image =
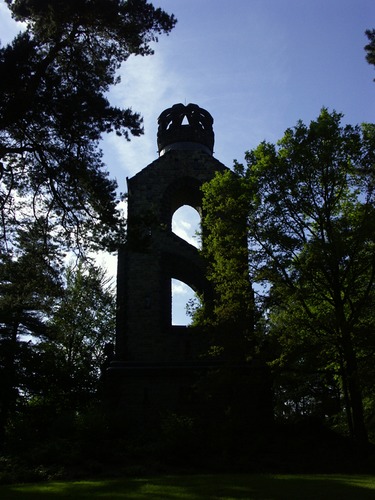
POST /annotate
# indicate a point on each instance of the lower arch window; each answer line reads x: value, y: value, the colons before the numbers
x: 181, y: 295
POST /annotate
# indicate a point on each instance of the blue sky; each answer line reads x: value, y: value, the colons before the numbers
x: 257, y: 66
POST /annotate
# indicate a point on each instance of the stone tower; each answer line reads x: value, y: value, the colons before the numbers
x: 157, y: 364
x: 155, y: 361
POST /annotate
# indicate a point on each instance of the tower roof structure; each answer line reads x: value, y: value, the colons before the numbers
x: 185, y: 128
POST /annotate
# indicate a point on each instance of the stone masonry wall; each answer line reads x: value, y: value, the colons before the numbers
x: 154, y: 255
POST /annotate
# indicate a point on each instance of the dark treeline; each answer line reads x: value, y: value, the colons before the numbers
x: 309, y: 207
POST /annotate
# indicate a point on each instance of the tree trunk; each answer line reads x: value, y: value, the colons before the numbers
x: 8, y: 383
x: 348, y: 405
x: 355, y: 393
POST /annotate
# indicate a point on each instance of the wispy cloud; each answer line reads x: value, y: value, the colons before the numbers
x: 147, y: 87
x: 179, y: 288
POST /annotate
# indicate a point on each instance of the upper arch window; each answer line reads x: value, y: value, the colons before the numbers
x: 186, y: 224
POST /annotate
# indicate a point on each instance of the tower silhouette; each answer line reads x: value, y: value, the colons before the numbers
x: 154, y: 359
x: 157, y: 363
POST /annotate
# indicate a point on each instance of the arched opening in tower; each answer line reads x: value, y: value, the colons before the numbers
x: 184, y: 300
x: 186, y: 225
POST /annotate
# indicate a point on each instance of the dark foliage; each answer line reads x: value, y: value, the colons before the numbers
x: 370, y: 47
x: 54, y: 109
x: 309, y: 201
x: 29, y: 286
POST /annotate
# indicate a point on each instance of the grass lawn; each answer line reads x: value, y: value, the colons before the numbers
x: 219, y: 487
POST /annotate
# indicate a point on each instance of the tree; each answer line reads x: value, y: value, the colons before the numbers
x: 80, y: 328
x: 53, y: 336
x: 231, y: 316
x: 311, y: 228
x: 29, y: 287
x: 370, y: 47
x: 309, y: 204
x: 54, y: 109
x: 235, y: 393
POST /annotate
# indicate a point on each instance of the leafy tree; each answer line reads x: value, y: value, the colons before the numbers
x: 311, y: 228
x: 231, y: 316
x: 309, y: 204
x: 29, y: 286
x: 80, y: 328
x: 52, y: 353
x: 306, y: 375
x: 237, y: 378
x: 54, y: 110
